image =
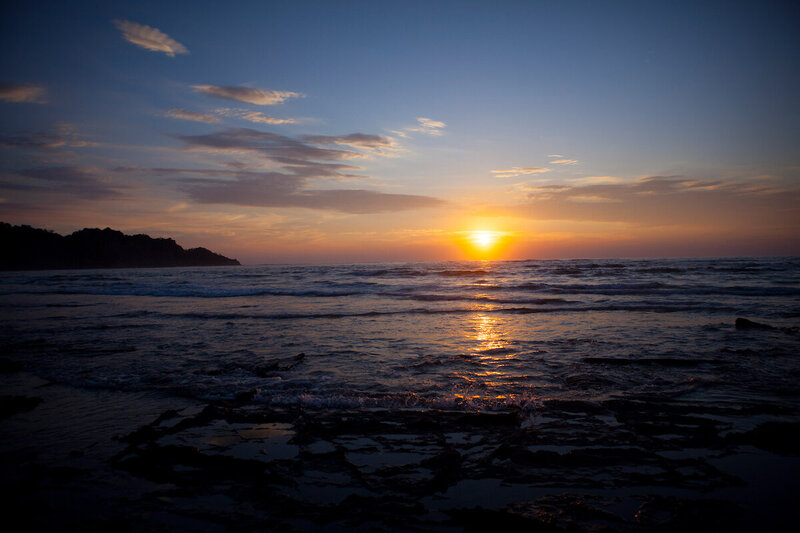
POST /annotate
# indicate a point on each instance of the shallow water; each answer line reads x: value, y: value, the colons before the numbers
x: 585, y: 356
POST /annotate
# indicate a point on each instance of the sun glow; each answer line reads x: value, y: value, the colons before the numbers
x: 484, y: 239
x: 483, y: 244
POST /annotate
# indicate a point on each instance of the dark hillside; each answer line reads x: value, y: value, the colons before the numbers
x: 27, y: 248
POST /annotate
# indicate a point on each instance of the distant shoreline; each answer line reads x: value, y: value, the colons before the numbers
x: 28, y: 248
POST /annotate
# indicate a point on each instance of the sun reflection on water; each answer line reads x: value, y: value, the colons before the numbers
x: 487, y: 333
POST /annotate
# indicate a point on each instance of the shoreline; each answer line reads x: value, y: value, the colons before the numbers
x: 84, y: 459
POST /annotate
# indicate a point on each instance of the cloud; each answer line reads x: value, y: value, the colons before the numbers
x: 27, y: 94
x: 281, y: 190
x: 149, y: 38
x: 302, y: 160
x: 254, y: 116
x: 307, y: 172
x: 596, y: 180
x: 430, y: 123
x: 424, y: 125
x: 428, y: 126
x: 546, y: 187
x: 589, y: 198
x: 665, y: 200
x: 246, y: 94
x: 193, y: 116
x: 559, y: 159
x: 83, y: 182
x: 35, y: 141
x: 378, y: 144
x: 518, y: 171
x: 66, y: 137
x: 299, y: 156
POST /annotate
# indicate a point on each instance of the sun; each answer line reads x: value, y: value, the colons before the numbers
x: 484, y: 239
x: 483, y: 244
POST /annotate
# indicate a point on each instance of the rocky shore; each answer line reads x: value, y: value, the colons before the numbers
x: 97, y: 459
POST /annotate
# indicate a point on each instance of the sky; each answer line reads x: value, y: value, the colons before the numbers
x: 330, y: 132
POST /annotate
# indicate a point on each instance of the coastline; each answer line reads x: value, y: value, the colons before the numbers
x: 91, y: 459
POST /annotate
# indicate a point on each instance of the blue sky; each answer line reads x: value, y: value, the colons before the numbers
x: 588, y: 101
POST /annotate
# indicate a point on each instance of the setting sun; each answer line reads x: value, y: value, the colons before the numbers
x: 483, y: 244
x: 484, y: 239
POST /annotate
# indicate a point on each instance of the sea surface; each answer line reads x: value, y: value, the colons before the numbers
x: 605, y: 376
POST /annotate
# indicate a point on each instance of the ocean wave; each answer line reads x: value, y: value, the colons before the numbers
x: 484, y: 299
x: 643, y: 307
x: 188, y: 292
x: 518, y: 283
x: 522, y: 403
x: 655, y: 288
x: 419, y: 293
x: 405, y: 272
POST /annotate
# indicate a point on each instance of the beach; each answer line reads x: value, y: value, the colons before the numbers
x: 591, y: 395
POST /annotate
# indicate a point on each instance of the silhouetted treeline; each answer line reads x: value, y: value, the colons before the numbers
x: 27, y: 248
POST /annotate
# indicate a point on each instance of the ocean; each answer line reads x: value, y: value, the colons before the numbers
x: 419, y: 396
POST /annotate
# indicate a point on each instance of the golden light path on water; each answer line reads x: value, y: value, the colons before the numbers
x: 487, y: 333
x: 490, y: 350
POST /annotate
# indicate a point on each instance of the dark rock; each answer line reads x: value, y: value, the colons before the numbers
x: 27, y: 248
x: 776, y: 437
x: 8, y: 366
x: 480, y: 519
x: 244, y: 397
x: 669, y: 513
x: 743, y: 323
x: 389, y: 509
x: 267, y: 369
x: 159, y: 463
x: 569, y: 511
x: 446, y: 467
x: 11, y: 405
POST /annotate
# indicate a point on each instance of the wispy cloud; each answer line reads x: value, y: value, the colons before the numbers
x: 82, y: 182
x: 282, y: 191
x: 518, y: 171
x: 246, y: 94
x: 596, y: 180
x: 65, y: 137
x: 35, y: 141
x: 149, y: 38
x: 546, y: 187
x: 301, y: 161
x: 559, y: 159
x: 664, y: 200
x: 400, y: 133
x: 378, y: 144
x: 27, y: 94
x: 428, y: 126
x: 193, y: 116
x: 254, y: 116
x: 592, y: 199
x: 294, y: 154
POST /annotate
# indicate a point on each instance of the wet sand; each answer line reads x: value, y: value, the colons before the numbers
x: 81, y: 459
